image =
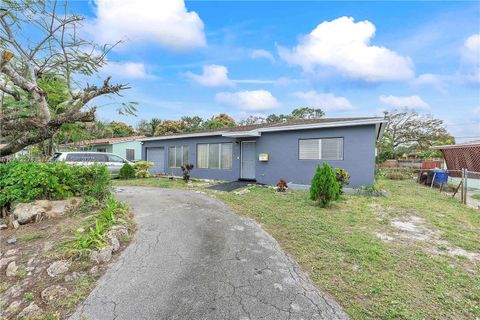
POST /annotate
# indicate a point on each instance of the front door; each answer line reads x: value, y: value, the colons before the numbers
x: 248, y: 160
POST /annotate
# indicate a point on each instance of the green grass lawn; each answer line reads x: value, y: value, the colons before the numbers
x: 369, y: 277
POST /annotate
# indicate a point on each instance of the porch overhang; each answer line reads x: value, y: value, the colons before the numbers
x: 243, y: 134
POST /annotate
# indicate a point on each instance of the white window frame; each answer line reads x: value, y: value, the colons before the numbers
x: 180, y: 148
x: 320, y: 148
x: 219, y: 155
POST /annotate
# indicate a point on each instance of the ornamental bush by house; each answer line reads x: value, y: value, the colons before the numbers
x: 141, y: 169
x: 282, y: 185
x: 324, y: 187
x: 186, y: 168
x: 343, y: 178
x: 127, y: 172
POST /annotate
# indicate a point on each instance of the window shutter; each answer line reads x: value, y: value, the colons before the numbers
x: 309, y: 149
x: 332, y: 149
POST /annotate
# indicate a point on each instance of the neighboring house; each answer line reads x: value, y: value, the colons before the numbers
x: 267, y: 152
x: 127, y: 147
x: 462, y: 156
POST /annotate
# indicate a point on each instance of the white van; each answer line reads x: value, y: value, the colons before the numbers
x: 84, y: 158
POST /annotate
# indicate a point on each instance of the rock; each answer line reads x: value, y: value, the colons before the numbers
x: 28, y: 212
x: 94, y: 270
x: 114, y: 243
x: 53, y: 293
x: 3, y: 226
x: 55, y: 209
x: 31, y: 311
x: 12, y: 269
x: 15, y: 224
x: 74, y: 276
x: 6, y: 260
x: 120, y: 231
x: 94, y: 256
x: 105, y: 254
x: 12, y: 308
x: 15, y: 290
x: 80, y: 230
x: 243, y: 191
x: 11, y: 252
x: 12, y: 240
x: 57, y: 268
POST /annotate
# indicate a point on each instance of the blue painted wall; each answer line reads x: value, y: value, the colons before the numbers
x: 282, y: 148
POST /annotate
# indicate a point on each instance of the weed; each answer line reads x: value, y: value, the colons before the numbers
x: 28, y: 296
x: 31, y: 236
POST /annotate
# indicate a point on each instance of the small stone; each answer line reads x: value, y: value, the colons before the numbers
x: 12, y: 308
x: 94, y: 270
x: 114, y: 243
x: 74, y: 276
x: 6, y: 260
x: 11, y: 252
x: 80, y: 230
x: 31, y: 311
x: 12, y: 269
x: 57, y: 268
x: 105, y: 254
x: 45, y: 227
x: 94, y: 256
x: 3, y: 226
x: 12, y: 241
x: 30, y: 261
x: 15, y: 224
x: 15, y: 290
x: 53, y: 293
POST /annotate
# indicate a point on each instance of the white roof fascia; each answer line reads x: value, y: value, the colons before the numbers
x: 188, y: 135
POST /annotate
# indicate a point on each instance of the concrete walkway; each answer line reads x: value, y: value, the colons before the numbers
x: 192, y: 258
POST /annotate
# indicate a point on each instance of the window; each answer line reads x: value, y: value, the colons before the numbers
x: 86, y: 157
x: 177, y: 156
x: 102, y: 149
x: 320, y: 149
x: 214, y: 156
x: 114, y: 158
x: 130, y: 153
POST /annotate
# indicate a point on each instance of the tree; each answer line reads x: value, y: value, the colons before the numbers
x: 169, y: 127
x: 298, y: 113
x: 307, y: 113
x: 221, y: 121
x: 409, y: 131
x: 120, y: 129
x: 148, y: 127
x: 324, y: 187
x: 31, y: 112
x: 194, y: 123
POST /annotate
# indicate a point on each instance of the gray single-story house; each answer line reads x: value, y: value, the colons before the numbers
x: 267, y: 152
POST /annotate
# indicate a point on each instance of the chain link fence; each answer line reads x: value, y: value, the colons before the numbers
x: 462, y: 185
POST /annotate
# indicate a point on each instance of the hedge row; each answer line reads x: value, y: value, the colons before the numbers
x: 28, y: 181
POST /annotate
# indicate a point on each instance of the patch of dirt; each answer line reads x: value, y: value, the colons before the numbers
x: 35, y: 249
x: 409, y: 229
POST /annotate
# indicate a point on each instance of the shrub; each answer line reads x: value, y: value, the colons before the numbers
x: 127, y: 172
x: 141, y: 169
x: 28, y: 181
x: 343, y: 178
x: 186, y: 168
x: 324, y: 186
x: 282, y: 185
x: 396, y: 176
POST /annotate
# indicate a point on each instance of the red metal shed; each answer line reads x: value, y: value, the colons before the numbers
x: 463, y: 155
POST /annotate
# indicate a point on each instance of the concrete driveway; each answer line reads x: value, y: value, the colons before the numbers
x: 192, y: 258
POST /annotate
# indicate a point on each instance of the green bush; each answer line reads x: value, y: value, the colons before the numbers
x: 28, y: 181
x: 343, y: 178
x: 324, y: 186
x: 396, y: 176
x: 141, y: 169
x: 127, y: 172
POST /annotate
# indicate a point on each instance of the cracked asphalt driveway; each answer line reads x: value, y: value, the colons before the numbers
x: 192, y: 258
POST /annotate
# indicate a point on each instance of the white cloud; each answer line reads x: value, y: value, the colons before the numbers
x: 130, y: 70
x: 471, y: 59
x: 476, y: 111
x: 409, y: 102
x: 248, y: 100
x: 262, y: 54
x: 325, y: 101
x: 344, y: 45
x: 432, y: 80
x: 166, y: 23
x: 213, y: 76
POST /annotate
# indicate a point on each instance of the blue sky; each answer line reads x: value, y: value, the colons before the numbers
x: 248, y: 57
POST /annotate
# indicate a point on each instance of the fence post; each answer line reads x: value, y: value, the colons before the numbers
x: 462, y: 184
x: 465, y: 185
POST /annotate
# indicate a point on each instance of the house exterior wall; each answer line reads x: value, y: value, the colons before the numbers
x: 283, y: 162
x: 121, y: 149
x: 108, y: 148
x: 217, y: 174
